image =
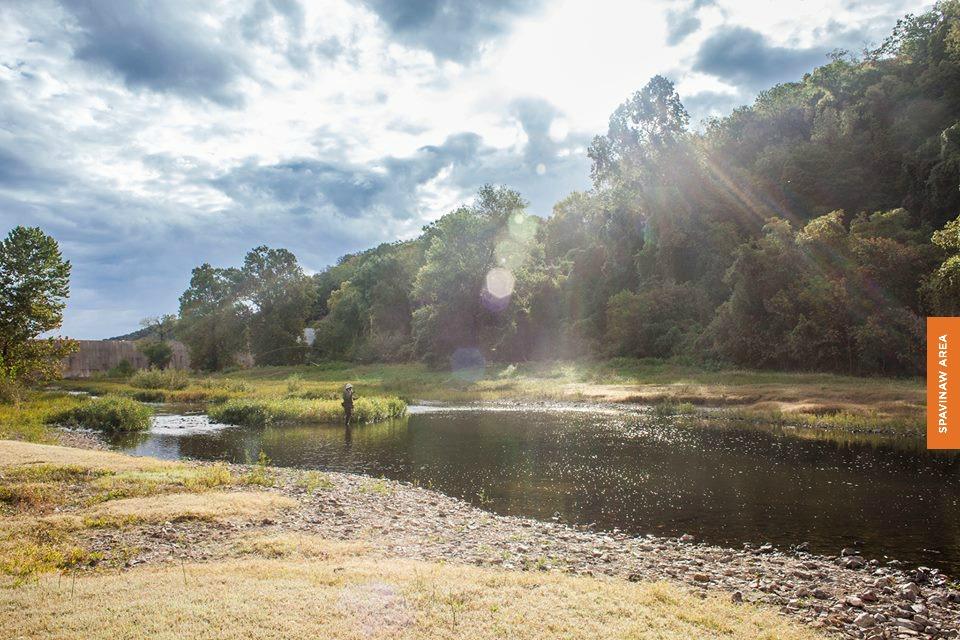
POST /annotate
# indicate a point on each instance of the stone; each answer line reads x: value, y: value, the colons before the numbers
x: 865, y: 621
x: 903, y: 623
x: 909, y: 591
x: 854, y: 601
x: 869, y: 596
x: 736, y: 597
x: 686, y: 538
x: 820, y: 594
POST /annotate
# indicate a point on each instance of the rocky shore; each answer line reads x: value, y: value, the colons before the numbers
x: 843, y: 595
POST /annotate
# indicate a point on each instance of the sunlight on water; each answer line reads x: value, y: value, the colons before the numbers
x: 640, y: 471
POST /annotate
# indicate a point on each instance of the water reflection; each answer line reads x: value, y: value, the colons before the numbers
x: 642, y: 473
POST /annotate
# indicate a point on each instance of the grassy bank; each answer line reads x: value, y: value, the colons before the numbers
x: 796, y: 399
x: 62, y: 578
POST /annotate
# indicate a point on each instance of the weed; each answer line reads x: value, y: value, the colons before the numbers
x: 260, y: 473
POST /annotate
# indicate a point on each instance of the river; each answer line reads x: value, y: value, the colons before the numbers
x: 636, y: 471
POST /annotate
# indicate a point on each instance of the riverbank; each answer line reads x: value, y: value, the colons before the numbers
x: 398, y: 535
x: 865, y: 405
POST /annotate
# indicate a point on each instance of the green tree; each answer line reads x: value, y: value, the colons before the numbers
x: 212, y: 319
x: 157, y: 352
x: 279, y: 298
x: 942, y: 289
x: 34, y: 286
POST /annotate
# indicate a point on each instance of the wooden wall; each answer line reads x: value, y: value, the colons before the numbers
x: 100, y: 355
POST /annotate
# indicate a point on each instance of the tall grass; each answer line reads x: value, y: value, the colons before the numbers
x: 107, y: 413
x: 27, y: 420
x: 172, y: 379
x: 259, y: 411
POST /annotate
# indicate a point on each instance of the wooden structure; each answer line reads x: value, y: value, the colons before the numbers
x: 101, y: 355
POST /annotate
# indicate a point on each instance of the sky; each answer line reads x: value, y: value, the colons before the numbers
x: 149, y: 137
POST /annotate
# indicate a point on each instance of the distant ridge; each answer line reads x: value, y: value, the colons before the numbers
x: 139, y: 334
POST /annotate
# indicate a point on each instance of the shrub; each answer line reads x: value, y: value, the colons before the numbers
x: 172, y: 379
x: 123, y: 370
x: 294, y: 383
x: 107, y: 413
x: 150, y: 395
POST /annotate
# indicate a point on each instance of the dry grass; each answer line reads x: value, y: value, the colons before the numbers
x: 296, y: 585
x: 14, y: 453
x: 334, y: 593
x: 174, y: 507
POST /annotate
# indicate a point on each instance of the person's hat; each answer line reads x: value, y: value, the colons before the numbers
x: 348, y: 386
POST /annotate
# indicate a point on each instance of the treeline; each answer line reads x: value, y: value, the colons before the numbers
x: 813, y: 230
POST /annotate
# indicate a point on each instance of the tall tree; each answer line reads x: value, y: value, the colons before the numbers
x: 34, y: 286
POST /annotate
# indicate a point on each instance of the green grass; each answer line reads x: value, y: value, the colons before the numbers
x: 260, y: 412
x: 107, y: 413
x: 28, y: 419
x: 172, y: 379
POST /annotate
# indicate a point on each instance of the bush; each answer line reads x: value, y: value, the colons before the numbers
x: 258, y: 412
x: 172, y: 379
x: 107, y: 413
x: 123, y: 370
x: 150, y: 395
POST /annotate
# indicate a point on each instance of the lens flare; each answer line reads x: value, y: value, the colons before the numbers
x: 500, y: 282
x: 522, y: 227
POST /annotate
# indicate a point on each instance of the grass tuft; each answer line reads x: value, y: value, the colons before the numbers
x: 171, y: 379
x: 108, y: 413
x: 261, y: 412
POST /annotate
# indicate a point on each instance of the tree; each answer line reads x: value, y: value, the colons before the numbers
x: 467, y: 285
x: 279, y: 298
x: 157, y: 352
x: 161, y: 327
x: 212, y: 319
x: 942, y: 289
x: 34, y: 286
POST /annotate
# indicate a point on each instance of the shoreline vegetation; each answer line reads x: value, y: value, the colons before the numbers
x: 360, y: 556
x: 893, y: 406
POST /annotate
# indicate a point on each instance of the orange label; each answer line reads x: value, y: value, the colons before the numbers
x: 943, y: 383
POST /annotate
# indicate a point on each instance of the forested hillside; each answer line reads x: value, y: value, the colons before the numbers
x: 812, y: 230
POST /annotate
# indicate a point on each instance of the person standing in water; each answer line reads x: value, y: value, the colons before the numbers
x: 347, y: 403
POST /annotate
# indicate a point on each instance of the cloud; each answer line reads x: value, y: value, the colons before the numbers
x: 450, y: 29
x: 162, y: 46
x: 306, y: 186
x: 746, y: 58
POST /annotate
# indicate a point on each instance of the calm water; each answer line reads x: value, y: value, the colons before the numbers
x: 637, y: 472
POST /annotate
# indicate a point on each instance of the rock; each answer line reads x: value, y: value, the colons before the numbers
x: 909, y: 591
x: 686, y: 538
x: 848, y: 551
x: 766, y: 548
x: 869, y: 596
x: 854, y: 601
x: 701, y: 577
x: 820, y: 594
x: 903, y: 623
x: 854, y: 562
x: 921, y: 621
x: 865, y: 621
x: 736, y: 597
